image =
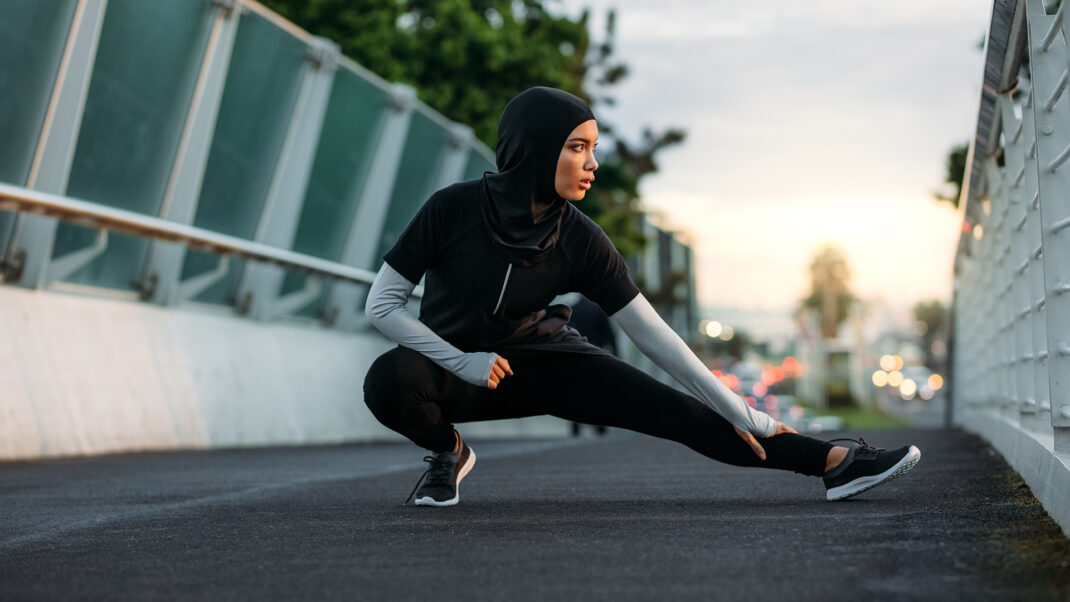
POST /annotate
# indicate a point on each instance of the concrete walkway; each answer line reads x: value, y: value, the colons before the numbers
x: 616, y: 518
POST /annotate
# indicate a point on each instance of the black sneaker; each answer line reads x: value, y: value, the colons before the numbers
x: 866, y: 467
x: 439, y: 485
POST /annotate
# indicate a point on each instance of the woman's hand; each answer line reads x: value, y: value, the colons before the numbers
x: 498, y: 372
x: 753, y: 442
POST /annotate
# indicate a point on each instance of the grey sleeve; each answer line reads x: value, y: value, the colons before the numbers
x: 641, y: 322
x: 386, y: 309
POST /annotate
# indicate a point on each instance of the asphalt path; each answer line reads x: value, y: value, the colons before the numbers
x: 620, y: 517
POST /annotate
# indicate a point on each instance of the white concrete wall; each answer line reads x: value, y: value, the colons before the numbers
x: 90, y: 375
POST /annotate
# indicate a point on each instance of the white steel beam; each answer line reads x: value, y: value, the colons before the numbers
x: 159, y: 280
x: 344, y: 301
x: 33, y: 235
x: 1048, y: 69
x: 259, y: 286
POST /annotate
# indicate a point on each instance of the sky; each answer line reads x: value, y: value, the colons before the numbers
x: 809, y: 123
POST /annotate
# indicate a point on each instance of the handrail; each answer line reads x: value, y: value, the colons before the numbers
x: 84, y: 213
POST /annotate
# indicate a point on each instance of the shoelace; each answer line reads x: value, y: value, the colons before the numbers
x: 860, y: 441
x: 437, y: 472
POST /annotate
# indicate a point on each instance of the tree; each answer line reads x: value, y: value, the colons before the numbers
x: 829, y: 292
x: 465, y: 58
x: 956, y: 171
x: 931, y: 318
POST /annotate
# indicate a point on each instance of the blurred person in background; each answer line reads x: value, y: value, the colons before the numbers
x: 489, y: 345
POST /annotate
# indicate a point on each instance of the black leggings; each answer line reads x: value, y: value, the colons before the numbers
x: 415, y: 397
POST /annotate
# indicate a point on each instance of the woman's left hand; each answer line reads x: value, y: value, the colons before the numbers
x: 753, y: 442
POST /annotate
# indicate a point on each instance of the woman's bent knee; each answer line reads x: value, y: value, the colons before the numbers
x: 397, y: 382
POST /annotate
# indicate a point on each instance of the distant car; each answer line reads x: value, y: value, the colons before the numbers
x: 919, y: 375
x: 807, y: 421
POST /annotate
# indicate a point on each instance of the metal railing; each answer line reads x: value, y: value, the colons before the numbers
x: 368, y: 148
x: 105, y: 219
x: 1012, y: 310
x: 1011, y: 351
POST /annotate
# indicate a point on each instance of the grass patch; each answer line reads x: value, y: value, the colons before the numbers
x: 1035, y: 546
x: 863, y: 418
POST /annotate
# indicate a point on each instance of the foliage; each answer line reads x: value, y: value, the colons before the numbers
x: 466, y: 58
x: 956, y: 172
x: 829, y: 292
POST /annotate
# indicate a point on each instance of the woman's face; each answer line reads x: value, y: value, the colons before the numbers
x: 576, y: 164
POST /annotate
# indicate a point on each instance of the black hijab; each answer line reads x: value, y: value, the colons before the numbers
x: 521, y: 208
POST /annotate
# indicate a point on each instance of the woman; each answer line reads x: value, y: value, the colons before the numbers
x: 488, y: 345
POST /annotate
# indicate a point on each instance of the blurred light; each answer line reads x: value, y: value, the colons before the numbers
x: 936, y: 382
x: 898, y: 365
x: 802, y: 369
x: 887, y: 363
x: 731, y: 381
x: 796, y: 412
x: 966, y: 227
x: 908, y: 388
x: 939, y: 347
x: 925, y: 392
x: 778, y: 374
x: 978, y: 232
x: 752, y: 402
x: 895, y: 378
x: 702, y: 326
x: 771, y: 403
x: 767, y: 378
x: 713, y: 329
x: 759, y: 389
x: 905, y: 397
x: 718, y: 374
x: 727, y: 333
x: 880, y: 378
x: 790, y: 365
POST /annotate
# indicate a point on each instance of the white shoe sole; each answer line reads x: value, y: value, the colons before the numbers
x: 465, y: 469
x: 863, y: 483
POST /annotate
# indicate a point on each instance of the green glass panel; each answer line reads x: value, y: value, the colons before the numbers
x: 262, y: 84
x: 33, y: 34
x: 147, y: 63
x: 477, y: 164
x: 419, y: 163
x: 346, y: 146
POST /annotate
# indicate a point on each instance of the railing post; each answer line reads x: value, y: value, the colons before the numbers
x: 1038, y: 317
x: 1048, y: 68
x: 987, y: 282
x: 34, y: 235
x: 1001, y: 286
x: 159, y: 280
x: 1019, y: 135
x: 259, y: 285
x: 362, y: 241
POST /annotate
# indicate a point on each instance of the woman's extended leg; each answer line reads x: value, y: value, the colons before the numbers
x: 598, y: 389
x: 412, y: 395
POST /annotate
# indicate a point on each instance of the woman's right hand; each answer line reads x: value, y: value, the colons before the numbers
x: 498, y: 372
